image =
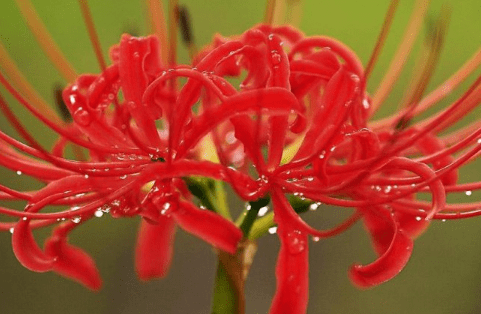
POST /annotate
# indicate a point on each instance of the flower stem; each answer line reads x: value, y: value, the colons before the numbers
x: 232, y: 270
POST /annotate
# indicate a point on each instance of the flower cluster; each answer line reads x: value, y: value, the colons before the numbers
x: 153, y: 139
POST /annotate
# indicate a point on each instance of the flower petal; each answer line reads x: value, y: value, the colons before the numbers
x: 73, y: 262
x: 153, y: 254
x: 208, y: 226
x: 27, y: 251
x: 392, y: 261
x: 292, y: 272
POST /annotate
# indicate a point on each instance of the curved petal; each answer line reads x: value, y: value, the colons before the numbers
x: 208, y: 226
x: 153, y: 254
x: 392, y: 260
x: 73, y: 263
x: 27, y: 251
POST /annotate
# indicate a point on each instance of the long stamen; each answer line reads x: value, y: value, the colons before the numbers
x: 25, y: 88
x: 279, y: 12
x: 157, y: 26
x: 269, y: 13
x: 447, y: 87
x: 172, y: 58
x: 434, y: 43
x: 382, y: 38
x: 294, y: 12
x: 94, y: 39
x: 439, y: 93
x: 186, y: 30
x: 397, y: 63
x: 46, y: 41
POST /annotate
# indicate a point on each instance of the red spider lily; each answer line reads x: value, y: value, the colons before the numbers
x: 342, y: 158
x: 300, y: 118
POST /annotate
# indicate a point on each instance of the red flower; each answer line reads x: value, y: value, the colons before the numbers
x: 300, y: 120
x: 339, y: 157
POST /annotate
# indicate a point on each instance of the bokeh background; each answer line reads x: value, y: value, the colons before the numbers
x: 443, y: 275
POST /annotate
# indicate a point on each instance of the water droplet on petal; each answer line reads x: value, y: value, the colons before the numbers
x: 99, y: 213
x: 275, y: 57
x: 11, y: 230
x: 19, y: 172
x: 165, y: 208
x: 76, y: 220
x: 295, y: 242
x: 82, y: 117
x: 316, y: 239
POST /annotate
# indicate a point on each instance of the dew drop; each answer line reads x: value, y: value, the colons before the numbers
x: 86, y: 176
x: 479, y: 141
x: 123, y: 177
x: 313, y: 206
x: 99, y: 213
x: 295, y: 242
x: 230, y: 137
x: 365, y: 104
x: 263, y: 211
x: 418, y: 218
x: 165, y: 208
x: 275, y: 57
x: 19, y: 172
x: 272, y: 230
x: 76, y: 220
x: 468, y: 193
x: 316, y: 239
x: 105, y: 209
x: 11, y: 230
x: 82, y: 117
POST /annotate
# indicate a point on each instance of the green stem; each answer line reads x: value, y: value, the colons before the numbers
x: 232, y: 271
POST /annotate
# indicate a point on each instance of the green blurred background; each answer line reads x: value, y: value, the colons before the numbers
x: 443, y: 275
